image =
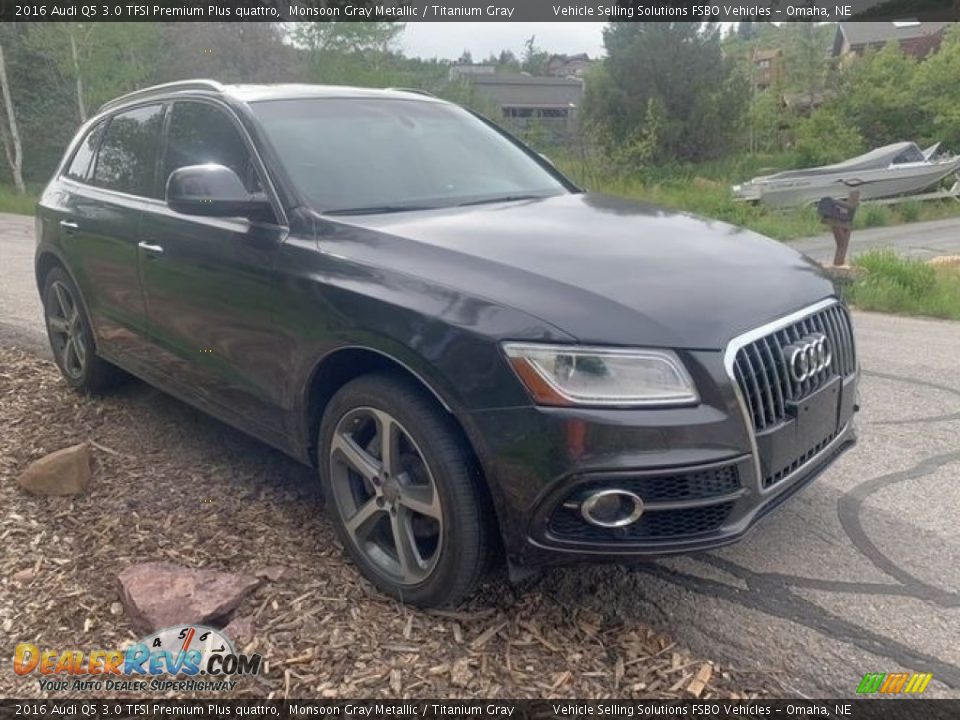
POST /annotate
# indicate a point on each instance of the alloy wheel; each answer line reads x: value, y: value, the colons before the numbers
x: 67, y: 337
x: 386, y: 495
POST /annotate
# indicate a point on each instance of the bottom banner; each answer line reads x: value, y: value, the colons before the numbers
x: 447, y: 709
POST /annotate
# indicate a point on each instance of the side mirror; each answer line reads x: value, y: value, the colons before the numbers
x: 214, y: 191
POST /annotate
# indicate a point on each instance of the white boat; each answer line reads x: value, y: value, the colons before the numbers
x: 890, y: 171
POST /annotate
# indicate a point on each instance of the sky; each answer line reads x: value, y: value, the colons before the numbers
x: 450, y: 39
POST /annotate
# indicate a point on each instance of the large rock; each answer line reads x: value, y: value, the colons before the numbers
x: 64, y: 472
x: 157, y: 595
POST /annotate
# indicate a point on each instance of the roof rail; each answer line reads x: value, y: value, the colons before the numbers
x: 165, y: 87
x: 416, y: 91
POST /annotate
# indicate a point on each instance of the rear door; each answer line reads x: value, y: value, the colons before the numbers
x: 107, y: 184
x: 209, y: 282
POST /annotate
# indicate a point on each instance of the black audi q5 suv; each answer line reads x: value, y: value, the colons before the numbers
x: 479, y: 358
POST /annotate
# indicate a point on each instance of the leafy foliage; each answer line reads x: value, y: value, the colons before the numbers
x: 671, y: 74
x: 826, y: 137
x: 896, y: 284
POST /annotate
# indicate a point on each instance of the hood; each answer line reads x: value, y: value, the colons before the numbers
x: 602, y: 269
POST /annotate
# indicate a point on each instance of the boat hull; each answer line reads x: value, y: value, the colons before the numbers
x: 872, y: 184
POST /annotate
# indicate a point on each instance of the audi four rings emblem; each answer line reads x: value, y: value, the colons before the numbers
x: 811, y: 356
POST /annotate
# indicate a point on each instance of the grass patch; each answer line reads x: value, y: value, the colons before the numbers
x: 705, y: 190
x: 13, y: 202
x: 911, y: 287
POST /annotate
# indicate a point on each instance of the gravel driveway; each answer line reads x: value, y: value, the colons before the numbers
x: 856, y: 574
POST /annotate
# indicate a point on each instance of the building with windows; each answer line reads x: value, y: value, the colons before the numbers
x: 767, y: 68
x: 915, y: 38
x: 524, y: 99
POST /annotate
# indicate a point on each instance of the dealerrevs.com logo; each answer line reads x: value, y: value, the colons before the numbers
x: 179, y: 658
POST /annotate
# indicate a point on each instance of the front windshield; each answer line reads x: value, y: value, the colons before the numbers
x: 375, y: 155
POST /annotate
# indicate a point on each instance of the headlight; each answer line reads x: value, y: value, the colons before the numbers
x: 574, y: 375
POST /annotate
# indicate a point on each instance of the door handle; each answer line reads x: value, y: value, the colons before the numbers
x: 69, y: 226
x: 150, y: 249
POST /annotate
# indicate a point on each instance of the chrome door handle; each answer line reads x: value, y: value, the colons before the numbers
x: 151, y: 249
x: 69, y: 226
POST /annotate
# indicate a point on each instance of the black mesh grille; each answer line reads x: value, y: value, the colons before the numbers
x: 568, y: 524
x: 682, y: 486
x: 763, y: 376
x: 773, y: 478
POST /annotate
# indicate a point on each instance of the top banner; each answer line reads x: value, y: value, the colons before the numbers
x: 905, y: 11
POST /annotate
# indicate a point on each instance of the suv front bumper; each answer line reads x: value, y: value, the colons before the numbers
x: 697, y: 471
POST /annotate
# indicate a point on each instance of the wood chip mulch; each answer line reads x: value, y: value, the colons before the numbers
x: 171, y: 484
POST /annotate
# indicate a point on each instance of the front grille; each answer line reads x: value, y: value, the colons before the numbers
x: 681, y: 486
x: 762, y: 373
x: 568, y: 524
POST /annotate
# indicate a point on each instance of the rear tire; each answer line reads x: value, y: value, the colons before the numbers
x: 418, y: 524
x: 71, y: 336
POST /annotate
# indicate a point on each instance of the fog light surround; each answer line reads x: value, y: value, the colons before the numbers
x: 612, y: 508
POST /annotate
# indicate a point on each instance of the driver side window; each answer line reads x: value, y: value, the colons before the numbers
x: 201, y: 133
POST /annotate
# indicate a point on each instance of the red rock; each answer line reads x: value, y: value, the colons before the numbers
x: 241, y: 630
x: 64, y: 472
x: 275, y: 573
x: 23, y: 576
x: 157, y: 595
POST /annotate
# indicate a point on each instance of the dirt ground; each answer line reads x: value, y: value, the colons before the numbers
x: 171, y: 484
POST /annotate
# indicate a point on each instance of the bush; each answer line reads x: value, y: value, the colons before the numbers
x: 826, y: 137
x: 12, y: 202
x: 909, y: 211
x: 885, y: 267
x: 873, y: 216
x: 895, y: 284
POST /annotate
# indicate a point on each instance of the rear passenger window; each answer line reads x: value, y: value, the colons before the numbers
x: 80, y: 165
x: 200, y: 133
x: 127, y: 158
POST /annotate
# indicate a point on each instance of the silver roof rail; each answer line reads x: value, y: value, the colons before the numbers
x: 416, y: 91
x: 165, y: 87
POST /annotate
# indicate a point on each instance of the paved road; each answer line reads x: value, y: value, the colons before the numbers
x: 858, y: 573
x: 920, y: 240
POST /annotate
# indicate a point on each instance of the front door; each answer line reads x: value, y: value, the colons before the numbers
x: 209, y: 282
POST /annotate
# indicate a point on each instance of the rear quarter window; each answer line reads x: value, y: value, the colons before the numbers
x: 79, y: 168
x: 127, y: 158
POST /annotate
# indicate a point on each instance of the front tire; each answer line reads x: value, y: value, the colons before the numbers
x: 403, y: 491
x: 71, y: 337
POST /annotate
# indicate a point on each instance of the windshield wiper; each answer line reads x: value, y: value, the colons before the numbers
x: 500, y: 198
x: 379, y: 209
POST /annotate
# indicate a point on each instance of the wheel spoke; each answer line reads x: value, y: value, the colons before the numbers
x: 74, y: 319
x: 363, y: 521
x: 62, y: 301
x: 389, y: 435
x: 69, y: 354
x: 411, y: 565
x: 421, y: 499
x: 80, y: 349
x: 356, y: 457
x: 58, y: 324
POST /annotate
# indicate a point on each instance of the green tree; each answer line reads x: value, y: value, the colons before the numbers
x: 699, y: 99
x: 356, y: 53
x: 9, y: 129
x: 826, y: 137
x: 534, y: 57
x: 877, y: 95
x: 936, y: 83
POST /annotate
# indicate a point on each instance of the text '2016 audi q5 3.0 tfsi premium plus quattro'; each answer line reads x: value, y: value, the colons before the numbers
x: 478, y: 358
